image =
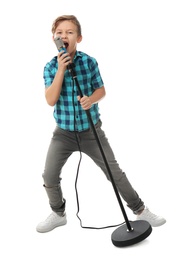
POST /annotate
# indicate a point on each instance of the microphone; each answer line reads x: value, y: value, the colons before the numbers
x: 60, y: 44
x: 61, y: 47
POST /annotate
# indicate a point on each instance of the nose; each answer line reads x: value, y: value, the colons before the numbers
x: 64, y: 36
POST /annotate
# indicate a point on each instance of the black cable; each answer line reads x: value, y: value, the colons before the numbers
x: 76, y: 180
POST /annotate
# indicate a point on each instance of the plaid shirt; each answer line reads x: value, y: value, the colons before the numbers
x: 68, y: 113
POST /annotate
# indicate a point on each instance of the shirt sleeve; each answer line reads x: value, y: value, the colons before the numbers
x: 48, y: 75
x: 97, y: 81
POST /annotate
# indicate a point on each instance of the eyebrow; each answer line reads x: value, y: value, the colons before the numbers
x: 65, y: 30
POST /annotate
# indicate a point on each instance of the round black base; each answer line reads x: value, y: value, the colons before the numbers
x: 123, y: 237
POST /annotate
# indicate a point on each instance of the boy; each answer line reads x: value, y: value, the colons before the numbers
x: 73, y: 125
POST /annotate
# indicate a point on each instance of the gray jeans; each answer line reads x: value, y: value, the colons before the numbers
x: 62, y: 145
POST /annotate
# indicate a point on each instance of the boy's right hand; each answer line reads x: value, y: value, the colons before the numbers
x: 63, y: 59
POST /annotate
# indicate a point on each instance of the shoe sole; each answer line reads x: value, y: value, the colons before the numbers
x: 50, y: 229
x: 159, y: 224
x: 155, y: 225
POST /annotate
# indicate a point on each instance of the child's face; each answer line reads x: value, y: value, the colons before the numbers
x: 68, y: 32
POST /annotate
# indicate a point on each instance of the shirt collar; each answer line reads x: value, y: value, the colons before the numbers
x: 77, y: 54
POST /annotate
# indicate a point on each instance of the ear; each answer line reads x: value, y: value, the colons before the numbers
x: 79, y: 39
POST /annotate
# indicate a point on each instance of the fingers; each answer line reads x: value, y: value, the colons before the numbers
x: 63, y: 58
x: 85, y: 102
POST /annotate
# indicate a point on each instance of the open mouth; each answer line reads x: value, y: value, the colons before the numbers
x: 66, y: 45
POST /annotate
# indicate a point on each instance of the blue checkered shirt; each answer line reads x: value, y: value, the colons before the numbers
x: 68, y: 113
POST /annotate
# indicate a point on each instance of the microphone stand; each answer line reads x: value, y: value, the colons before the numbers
x: 127, y: 234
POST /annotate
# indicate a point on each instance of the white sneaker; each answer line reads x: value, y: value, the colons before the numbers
x: 52, y: 221
x: 154, y: 220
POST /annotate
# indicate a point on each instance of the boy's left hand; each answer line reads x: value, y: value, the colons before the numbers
x: 85, y: 102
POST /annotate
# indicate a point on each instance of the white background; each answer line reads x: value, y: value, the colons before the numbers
x: 141, y: 48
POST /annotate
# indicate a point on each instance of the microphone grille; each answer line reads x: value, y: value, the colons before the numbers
x: 59, y: 43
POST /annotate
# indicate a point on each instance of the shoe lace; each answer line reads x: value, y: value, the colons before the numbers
x: 50, y: 218
x: 151, y: 215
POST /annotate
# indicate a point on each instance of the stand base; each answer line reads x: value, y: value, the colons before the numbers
x: 123, y: 237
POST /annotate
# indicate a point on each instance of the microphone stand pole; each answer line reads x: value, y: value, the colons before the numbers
x: 125, y: 235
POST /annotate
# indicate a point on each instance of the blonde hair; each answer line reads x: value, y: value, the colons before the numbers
x: 62, y: 18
